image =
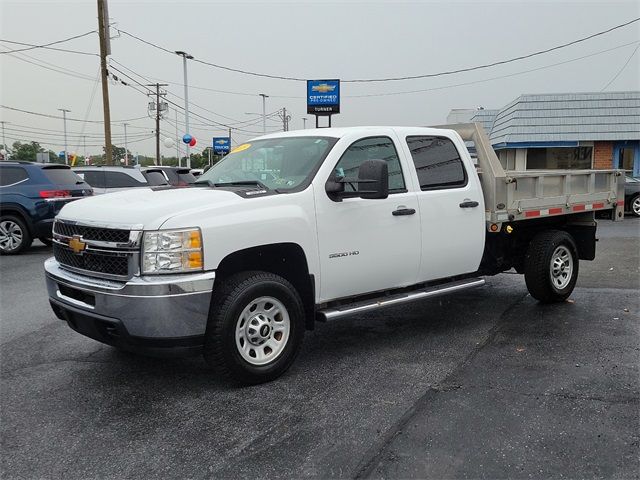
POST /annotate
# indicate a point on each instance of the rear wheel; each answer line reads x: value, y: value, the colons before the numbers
x: 255, y: 328
x: 551, y: 266
x: 14, y: 235
x: 635, y: 205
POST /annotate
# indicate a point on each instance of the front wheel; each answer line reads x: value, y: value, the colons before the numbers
x: 551, y: 266
x: 255, y: 328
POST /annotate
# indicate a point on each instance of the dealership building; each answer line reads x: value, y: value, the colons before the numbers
x: 567, y: 130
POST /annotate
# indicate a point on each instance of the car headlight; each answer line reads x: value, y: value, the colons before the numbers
x: 172, y: 251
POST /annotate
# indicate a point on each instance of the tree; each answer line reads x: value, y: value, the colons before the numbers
x: 26, y: 151
x: 117, y: 154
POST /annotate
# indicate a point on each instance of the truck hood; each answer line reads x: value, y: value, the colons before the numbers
x: 144, y: 207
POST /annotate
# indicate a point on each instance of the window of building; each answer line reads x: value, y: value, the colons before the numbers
x: 576, y: 158
x: 374, y: 148
x: 12, y: 175
x: 437, y: 162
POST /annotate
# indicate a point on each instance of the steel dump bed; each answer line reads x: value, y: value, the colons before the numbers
x: 523, y: 195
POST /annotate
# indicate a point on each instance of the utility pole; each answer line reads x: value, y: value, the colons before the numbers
x: 4, y: 141
x: 158, y: 111
x: 186, y: 56
x: 84, y: 146
x: 105, y: 49
x: 64, y: 120
x: 264, y: 112
x: 126, y: 151
x: 304, y: 123
x: 285, y: 119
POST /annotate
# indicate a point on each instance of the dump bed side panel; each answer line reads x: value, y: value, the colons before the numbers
x: 523, y: 195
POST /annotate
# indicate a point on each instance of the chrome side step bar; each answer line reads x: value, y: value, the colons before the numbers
x: 333, y: 313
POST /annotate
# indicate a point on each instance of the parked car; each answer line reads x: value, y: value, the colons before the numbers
x: 112, y: 179
x: 176, y: 176
x: 31, y: 195
x: 632, y: 195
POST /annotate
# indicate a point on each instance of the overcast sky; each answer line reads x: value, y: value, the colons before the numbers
x: 328, y: 39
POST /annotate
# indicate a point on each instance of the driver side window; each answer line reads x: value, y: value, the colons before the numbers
x: 373, y: 148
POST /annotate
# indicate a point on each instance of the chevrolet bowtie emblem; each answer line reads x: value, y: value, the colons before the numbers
x: 76, y: 244
x: 323, y: 88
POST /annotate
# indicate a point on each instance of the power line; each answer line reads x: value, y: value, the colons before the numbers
x: 622, y: 69
x: 48, y: 45
x: 395, y: 79
x: 69, y: 119
x: 474, y: 82
x: 53, y: 68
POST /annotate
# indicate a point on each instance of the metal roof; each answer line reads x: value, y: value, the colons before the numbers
x: 568, y: 117
x: 485, y: 118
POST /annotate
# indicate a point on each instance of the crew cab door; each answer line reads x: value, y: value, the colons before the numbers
x: 451, y: 206
x: 367, y: 245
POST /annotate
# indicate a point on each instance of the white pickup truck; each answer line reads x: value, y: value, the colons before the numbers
x: 305, y: 226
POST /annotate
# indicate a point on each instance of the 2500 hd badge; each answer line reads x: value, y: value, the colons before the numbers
x: 344, y: 254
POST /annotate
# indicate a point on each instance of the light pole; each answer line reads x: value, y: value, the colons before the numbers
x: 126, y: 151
x: 186, y: 56
x: 304, y: 123
x: 264, y: 112
x: 64, y: 119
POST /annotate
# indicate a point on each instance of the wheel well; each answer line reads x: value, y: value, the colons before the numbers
x: 506, y: 250
x: 285, y: 259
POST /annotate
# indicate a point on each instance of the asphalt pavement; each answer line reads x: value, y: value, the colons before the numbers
x: 482, y: 384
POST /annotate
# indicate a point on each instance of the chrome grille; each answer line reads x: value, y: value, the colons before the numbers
x: 113, y: 263
x: 111, y: 253
x: 92, y: 233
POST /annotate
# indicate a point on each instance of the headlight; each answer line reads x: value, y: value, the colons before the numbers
x: 172, y: 251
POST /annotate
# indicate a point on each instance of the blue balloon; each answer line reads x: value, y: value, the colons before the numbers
x: 61, y: 154
x: 187, y: 138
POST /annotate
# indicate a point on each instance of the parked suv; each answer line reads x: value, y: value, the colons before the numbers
x: 31, y: 195
x: 176, y: 176
x: 112, y: 179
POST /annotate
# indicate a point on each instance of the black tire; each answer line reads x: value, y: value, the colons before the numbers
x: 12, y: 227
x: 235, y: 294
x: 47, y: 241
x: 634, y: 206
x: 544, y: 249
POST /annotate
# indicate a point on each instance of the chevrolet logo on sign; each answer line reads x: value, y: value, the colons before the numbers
x: 323, y: 88
x: 77, y: 245
x: 221, y: 142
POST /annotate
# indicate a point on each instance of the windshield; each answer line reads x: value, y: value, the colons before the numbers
x: 277, y: 163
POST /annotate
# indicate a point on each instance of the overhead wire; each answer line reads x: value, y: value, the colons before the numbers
x: 68, y: 118
x: 31, y: 46
x: 621, y: 69
x: 399, y: 78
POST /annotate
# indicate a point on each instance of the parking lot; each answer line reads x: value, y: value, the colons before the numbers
x: 484, y: 384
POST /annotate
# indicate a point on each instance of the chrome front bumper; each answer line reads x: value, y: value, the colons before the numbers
x: 157, y: 310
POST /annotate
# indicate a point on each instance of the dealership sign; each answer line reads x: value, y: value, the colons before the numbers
x: 221, y: 145
x: 323, y: 97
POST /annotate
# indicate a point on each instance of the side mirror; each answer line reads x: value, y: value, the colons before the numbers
x: 373, y: 179
x: 372, y: 182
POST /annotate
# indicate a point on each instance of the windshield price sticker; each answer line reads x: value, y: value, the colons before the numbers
x: 241, y: 148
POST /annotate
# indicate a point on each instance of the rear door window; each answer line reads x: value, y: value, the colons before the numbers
x: 437, y: 162
x: 12, y: 175
x: 93, y: 178
x: 186, y: 177
x: 155, y: 178
x: 61, y: 176
x: 121, y: 180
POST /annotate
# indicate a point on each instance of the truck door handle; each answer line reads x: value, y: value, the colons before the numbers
x: 403, y: 211
x: 469, y: 204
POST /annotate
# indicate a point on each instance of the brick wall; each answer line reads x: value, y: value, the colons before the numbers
x: 602, y: 155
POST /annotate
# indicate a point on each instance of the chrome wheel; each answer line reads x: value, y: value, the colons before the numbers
x: 11, y: 235
x: 635, y: 206
x: 262, y: 330
x: 561, y: 267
